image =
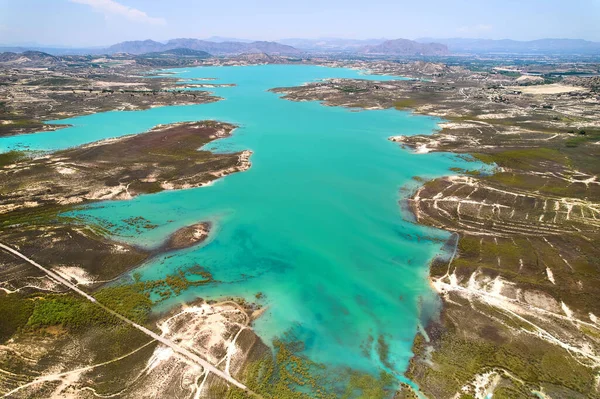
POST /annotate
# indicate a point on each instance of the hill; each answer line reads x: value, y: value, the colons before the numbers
x: 179, y: 52
x: 172, y: 58
x: 406, y: 48
x: 28, y: 58
x: 137, y: 47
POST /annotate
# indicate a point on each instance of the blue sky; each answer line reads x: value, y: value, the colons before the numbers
x: 101, y: 22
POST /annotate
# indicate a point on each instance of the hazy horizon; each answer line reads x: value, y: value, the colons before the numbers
x: 95, y: 23
x: 212, y: 38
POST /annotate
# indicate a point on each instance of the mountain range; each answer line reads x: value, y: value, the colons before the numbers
x: 293, y: 47
x: 457, y: 45
x: 331, y: 44
x: 212, y: 47
x: 406, y: 47
x: 398, y: 47
x: 541, y: 46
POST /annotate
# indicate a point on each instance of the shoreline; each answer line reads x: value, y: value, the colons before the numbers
x: 495, y: 217
x: 67, y: 165
x: 484, y: 283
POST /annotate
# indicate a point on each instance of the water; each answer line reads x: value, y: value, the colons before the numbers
x: 314, y: 225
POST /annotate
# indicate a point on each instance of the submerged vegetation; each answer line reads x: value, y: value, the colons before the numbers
x: 290, y: 375
x: 520, y: 291
x: 173, y: 284
x: 546, y: 176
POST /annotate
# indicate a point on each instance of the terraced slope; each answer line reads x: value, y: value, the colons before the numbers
x: 521, y: 283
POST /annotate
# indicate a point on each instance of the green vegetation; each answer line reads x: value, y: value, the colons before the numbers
x: 368, y: 387
x: 458, y: 359
x: 11, y: 157
x: 69, y: 311
x: 351, y: 89
x: 127, y: 301
x: 487, y: 344
x: 405, y: 103
x: 23, y: 123
x: 523, y: 158
x: 590, y: 332
x: 74, y: 312
x: 49, y: 214
x: 289, y: 375
x: 485, y: 158
x: 15, y: 311
x: 55, y: 81
x: 173, y: 284
x: 383, y: 350
x: 15, y: 123
x: 469, y: 246
x: 146, y: 187
x: 140, y: 223
x: 541, y: 166
x: 512, y: 74
x: 583, y: 137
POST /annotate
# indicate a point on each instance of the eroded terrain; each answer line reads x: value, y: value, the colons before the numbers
x: 56, y: 343
x: 31, y: 95
x: 520, y: 283
x: 166, y: 157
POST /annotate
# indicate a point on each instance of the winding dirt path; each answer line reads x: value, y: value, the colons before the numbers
x: 190, y: 355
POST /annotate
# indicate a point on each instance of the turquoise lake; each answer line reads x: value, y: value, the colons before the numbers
x: 314, y: 224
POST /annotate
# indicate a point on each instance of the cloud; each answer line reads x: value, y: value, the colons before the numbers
x: 475, y: 29
x: 108, y: 7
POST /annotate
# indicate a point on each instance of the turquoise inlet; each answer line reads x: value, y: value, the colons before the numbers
x: 314, y: 224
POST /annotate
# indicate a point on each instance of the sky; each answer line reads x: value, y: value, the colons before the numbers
x: 104, y: 22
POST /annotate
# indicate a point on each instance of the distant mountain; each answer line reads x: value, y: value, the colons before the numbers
x: 178, y: 57
x: 406, y: 47
x: 28, y: 58
x: 221, y: 39
x: 295, y: 46
x: 216, y: 48
x: 176, y: 53
x: 138, y: 47
x: 183, y: 52
x: 270, y: 48
x: 541, y: 46
x: 54, y: 50
x: 257, y: 58
x: 330, y: 44
x: 173, y: 57
x: 210, y: 47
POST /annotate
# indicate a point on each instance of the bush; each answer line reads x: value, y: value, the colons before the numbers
x: 67, y: 310
x: 14, y: 313
x: 127, y: 301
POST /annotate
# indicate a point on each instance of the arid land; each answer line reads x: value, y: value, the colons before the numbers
x: 519, y: 284
x: 55, y: 342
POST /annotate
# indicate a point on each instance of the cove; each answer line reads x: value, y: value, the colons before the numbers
x: 314, y: 225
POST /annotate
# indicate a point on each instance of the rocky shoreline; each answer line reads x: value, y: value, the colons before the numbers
x: 119, y: 168
x: 520, y: 293
x: 163, y: 158
x: 519, y: 287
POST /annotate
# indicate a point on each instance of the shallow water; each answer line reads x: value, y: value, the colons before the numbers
x: 314, y: 225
